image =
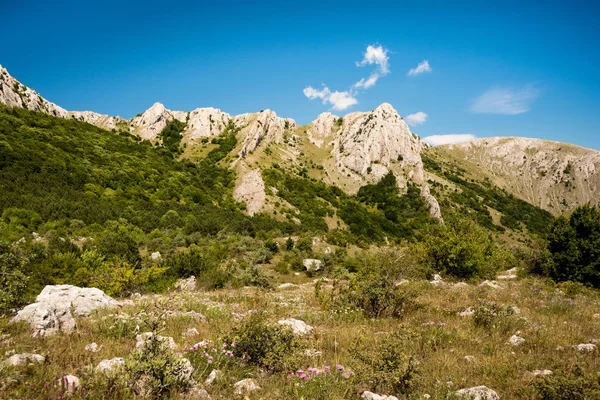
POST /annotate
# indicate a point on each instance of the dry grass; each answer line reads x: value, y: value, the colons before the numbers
x: 550, y: 322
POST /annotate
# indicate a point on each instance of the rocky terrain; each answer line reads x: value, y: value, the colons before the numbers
x: 555, y: 176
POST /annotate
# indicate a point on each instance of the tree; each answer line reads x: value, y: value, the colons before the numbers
x: 574, y: 246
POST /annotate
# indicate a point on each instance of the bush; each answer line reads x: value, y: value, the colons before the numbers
x: 373, y: 288
x: 13, y: 282
x: 269, y: 346
x: 490, y: 315
x: 384, y: 364
x: 574, y: 246
x: 579, y: 385
x: 462, y: 249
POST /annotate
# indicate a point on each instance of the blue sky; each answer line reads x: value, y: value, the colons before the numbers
x: 496, y: 68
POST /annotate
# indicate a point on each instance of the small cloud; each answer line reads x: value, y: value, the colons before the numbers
x: 376, y: 55
x: 505, y: 101
x: 421, y: 68
x: 436, y: 140
x: 416, y: 119
x: 365, y: 84
x: 338, y: 100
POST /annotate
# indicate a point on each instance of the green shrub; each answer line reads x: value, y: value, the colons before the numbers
x: 269, y: 346
x: 580, y: 384
x: 490, y: 315
x: 385, y: 365
x: 13, y: 282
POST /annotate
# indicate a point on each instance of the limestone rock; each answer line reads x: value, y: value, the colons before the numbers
x: 467, y: 312
x: 312, y: 264
x: 156, y: 256
x: 366, y: 395
x: 508, y: 274
x: 191, y: 332
x: 320, y: 133
x: 195, y: 393
x: 55, y: 306
x: 585, y: 347
x: 490, y: 284
x: 213, y: 376
x: 437, y: 280
x: 541, y: 372
x: 245, y: 386
x: 100, y: 120
x: 92, y: 347
x: 25, y: 359
x: 143, y: 340
x: 151, y: 122
x: 70, y: 383
x: 186, y: 285
x: 284, y: 286
x: 205, y: 122
x: 477, y: 393
x: 264, y: 126
x: 14, y: 94
x: 299, y: 327
x: 110, y: 365
x: 516, y: 340
x: 251, y: 191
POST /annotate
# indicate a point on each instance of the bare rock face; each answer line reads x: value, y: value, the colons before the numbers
x: 56, y: 305
x: 434, y: 207
x: 151, y: 122
x: 554, y: 176
x: 14, y: 94
x: 251, y: 191
x: 371, y: 142
x: 100, y: 120
x: 322, y: 129
x: 205, y: 122
x: 264, y: 126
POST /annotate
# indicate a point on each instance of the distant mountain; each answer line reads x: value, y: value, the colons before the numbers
x: 555, y: 176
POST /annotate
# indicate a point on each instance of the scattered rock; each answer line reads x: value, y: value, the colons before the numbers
x: 467, y: 312
x: 470, y: 359
x: 69, y: 383
x: 156, y: 256
x: 92, y: 347
x: 437, y: 280
x: 312, y: 265
x: 287, y: 286
x: 366, y: 395
x: 136, y: 296
x: 195, y: 393
x: 110, y: 365
x: 312, y: 353
x: 17, y: 360
x: 213, y: 376
x: 143, y: 339
x: 195, y: 315
x: 186, y: 371
x: 245, y: 386
x: 585, y: 347
x: 56, y: 305
x: 186, y: 285
x: 477, y: 393
x: 490, y: 284
x: 541, y: 372
x: 401, y: 282
x: 299, y: 327
x: 191, y: 332
x: 596, y: 316
x: 515, y: 310
x: 459, y: 285
x: 516, y: 340
x: 508, y: 274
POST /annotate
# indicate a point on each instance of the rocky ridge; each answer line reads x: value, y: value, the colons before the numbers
x: 554, y: 176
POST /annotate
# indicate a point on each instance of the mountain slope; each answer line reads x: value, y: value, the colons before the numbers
x: 555, y: 176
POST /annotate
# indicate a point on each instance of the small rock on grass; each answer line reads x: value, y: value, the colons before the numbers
x: 245, y: 386
x: 366, y: 395
x: 477, y: 393
x: 25, y: 359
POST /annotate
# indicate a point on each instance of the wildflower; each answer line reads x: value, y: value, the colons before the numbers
x: 213, y: 350
x: 210, y: 360
x: 229, y: 353
x: 339, y: 367
x: 326, y: 368
x: 233, y: 344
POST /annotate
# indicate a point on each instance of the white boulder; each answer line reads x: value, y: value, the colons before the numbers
x: 366, y: 395
x: 69, y: 383
x: 92, y: 347
x: 490, y: 284
x: 245, y: 386
x: 516, y: 340
x: 213, y: 376
x: 477, y: 393
x: 144, y: 339
x: 25, y: 359
x: 299, y: 327
x: 186, y: 285
x: 110, y: 365
x: 585, y: 347
x: 312, y: 264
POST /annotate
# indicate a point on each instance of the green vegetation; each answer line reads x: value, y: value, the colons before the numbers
x: 171, y: 136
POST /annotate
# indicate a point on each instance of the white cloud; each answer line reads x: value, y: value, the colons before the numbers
x: 341, y: 100
x: 436, y: 140
x: 421, y: 68
x: 338, y: 100
x: 416, y: 119
x: 376, y: 55
x: 505, y: 101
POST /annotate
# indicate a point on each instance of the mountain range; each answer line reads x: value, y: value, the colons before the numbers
x: 352, y: 151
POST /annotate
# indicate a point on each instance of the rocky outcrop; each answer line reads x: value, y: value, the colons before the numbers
x: 100, y: 120
x: 151, y: 122
x: 370, y: 142
x: 14, y: 94
x: 56, y: 306
x: 477, y: 393
x: 551, y: 175
x: 110, y: 365
x: 251, y: 191
x: 264, y: 126
x: 297, y: 326
x: 205, y: 122
x: 321, y: 130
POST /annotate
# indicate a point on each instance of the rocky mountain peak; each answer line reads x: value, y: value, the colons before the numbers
x: 322, y: 128
x: 262, y: 126
x: 151, y: 122
x: 206, y: 122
